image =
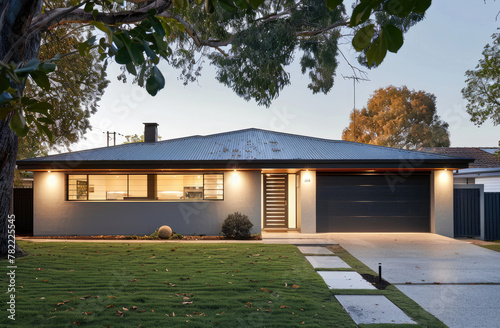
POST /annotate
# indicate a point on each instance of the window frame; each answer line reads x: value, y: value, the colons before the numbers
x: 147, y: 198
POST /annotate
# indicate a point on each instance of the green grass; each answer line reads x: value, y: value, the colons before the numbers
x: 493, y: 247
x: 410, y: 307
x: 229, y: 285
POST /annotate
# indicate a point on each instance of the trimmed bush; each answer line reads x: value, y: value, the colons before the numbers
x: 237, y: 226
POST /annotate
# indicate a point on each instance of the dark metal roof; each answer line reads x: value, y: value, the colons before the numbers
x: 242, y: 146
x: 484, y: 157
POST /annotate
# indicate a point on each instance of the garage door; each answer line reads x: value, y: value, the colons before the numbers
x: 372, y: 203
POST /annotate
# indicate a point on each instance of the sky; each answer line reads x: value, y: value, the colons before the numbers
x: 435, y: 55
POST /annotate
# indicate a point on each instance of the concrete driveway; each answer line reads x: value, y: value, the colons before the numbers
x: 468, y: 293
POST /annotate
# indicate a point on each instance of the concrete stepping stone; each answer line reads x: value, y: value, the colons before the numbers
x: 327, y: 262
x: 372, y: 309
x: 318, y: 250
x: 345, y: 280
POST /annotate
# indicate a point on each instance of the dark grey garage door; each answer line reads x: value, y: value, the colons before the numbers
x: 372, y: 203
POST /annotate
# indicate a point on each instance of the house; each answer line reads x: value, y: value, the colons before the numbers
x: 485, y: 169
x: 281, y: 181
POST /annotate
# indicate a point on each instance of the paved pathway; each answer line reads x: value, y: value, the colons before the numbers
x: 363, y: 309
x: 467, y: 293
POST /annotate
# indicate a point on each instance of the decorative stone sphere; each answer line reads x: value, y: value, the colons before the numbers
x: 164, y: 232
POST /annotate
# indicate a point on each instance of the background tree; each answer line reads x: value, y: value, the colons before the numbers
x: 250, y: 36
x: 482, y: 91
x: 401, y: 118
x: 136, y: 138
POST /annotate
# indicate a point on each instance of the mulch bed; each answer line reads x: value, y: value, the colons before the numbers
x: 125, y: 237
x: 374, y: 281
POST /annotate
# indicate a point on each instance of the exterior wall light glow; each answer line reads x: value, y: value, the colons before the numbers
x: 307, y: 176
x: 235, y: 177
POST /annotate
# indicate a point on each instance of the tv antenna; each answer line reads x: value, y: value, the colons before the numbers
x: 354, y: 79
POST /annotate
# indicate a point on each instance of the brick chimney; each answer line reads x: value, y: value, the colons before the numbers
x: 150, y: 132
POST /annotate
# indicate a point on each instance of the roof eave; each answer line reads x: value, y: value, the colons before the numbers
x: 244, y: 164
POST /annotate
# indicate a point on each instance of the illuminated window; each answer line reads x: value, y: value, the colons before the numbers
x: 107, y: 187
x: 179, y: 187
x: 214, y: 186
x: 77, y: 187
x: 137, y: 186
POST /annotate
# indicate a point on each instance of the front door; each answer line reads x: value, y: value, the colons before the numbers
x: 276, y: 201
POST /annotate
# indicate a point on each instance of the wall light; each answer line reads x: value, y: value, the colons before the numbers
x: 235, y: 177
x: 307, y: 176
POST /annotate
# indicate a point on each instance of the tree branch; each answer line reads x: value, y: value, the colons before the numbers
x: 190, y: 30
x: 322, y: 30
x: 59, y: 16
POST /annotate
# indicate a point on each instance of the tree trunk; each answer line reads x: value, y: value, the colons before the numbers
x: 15, y: 19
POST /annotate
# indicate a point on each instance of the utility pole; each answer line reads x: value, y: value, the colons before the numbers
x: 114, y: 138
x: 354, y: 80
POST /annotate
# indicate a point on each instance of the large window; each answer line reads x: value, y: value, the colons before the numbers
x: 162, y: 187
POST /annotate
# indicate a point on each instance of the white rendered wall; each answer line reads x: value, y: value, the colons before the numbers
x: 54, y: 215
x: 442, y: 202
x: 307, y: 199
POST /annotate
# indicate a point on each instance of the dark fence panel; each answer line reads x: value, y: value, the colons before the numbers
x: 492, y: 215
x: 467, y: 212
x: 23, y: 210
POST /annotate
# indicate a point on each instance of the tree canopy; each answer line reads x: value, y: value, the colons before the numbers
x: 251, y: 42
x: 482, y: 90
x: 398, y: 117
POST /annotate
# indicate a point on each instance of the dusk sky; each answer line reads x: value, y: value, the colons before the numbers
x: 434, y: 58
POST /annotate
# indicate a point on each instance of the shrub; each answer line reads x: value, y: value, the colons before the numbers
x: 176, y: 236
x: 237, y: 226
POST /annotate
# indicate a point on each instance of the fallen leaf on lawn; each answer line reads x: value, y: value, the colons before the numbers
x: 152, y: 257
x: 110, y: 306
x: 172, y: 250
x: 249, y: 305
x: 141, y: 311
x: 155, y: 269
x: 185, y: 298
x: 40, y: 269
x: 76, y: 323
x: 284, y: 307
x: 124, y: 309
x: 134, y: 307
x: 265, y: 290
x: 60, y: 303
x: 182, y: 279
x: 52, y: 317
x: 71, y: 270
x: 84, y: 297
x: 133, y: 280
x: 166, y: 270
x: 187, y: 303
x: 119, y: 313
x: 229, y: 282
x: 111, y: 296
x: 198, y: 271
x: 268, y: 310
x: 45, y: 280
x: 42, y: 298
x: 295, y: 286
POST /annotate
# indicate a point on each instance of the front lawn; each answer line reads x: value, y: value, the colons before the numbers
x: 495, y: 247
x: 166, y: 285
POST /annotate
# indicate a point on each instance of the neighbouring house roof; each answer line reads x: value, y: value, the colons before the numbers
x: 248, y: 148
x: 484, y: 157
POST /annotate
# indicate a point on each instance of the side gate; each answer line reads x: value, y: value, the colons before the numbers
x: 467, y: 212
x: 23, y: 210
x: 492, y: 215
